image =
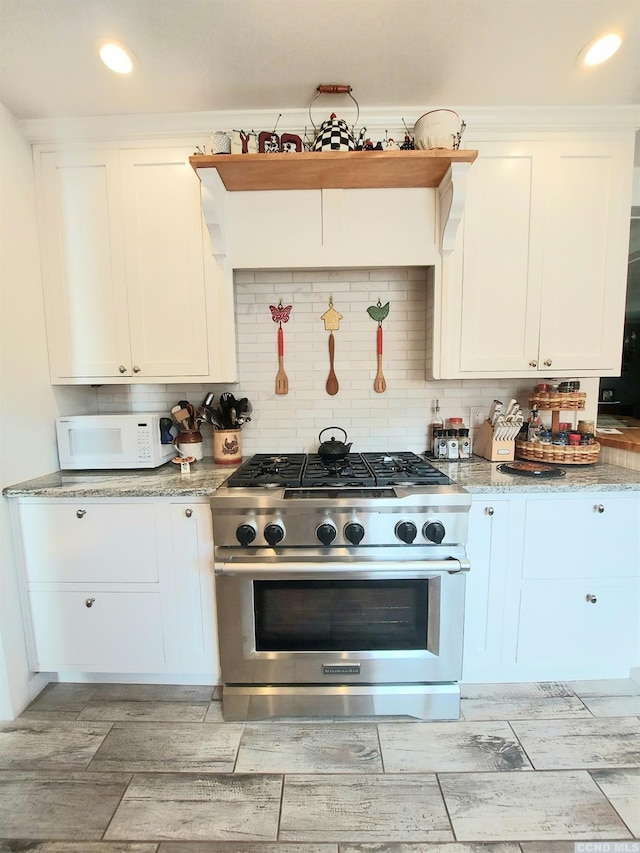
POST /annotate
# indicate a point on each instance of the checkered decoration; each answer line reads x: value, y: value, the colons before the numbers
x: 334, y: 136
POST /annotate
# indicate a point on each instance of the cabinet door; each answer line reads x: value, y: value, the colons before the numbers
x: 590, y: 629
x: 501, y: 263
x: 96, y: 543
x: 83, y: 265
x: 588, y: 197
x: 592, y: 537
x: 192, y: 537
x: 485, y: 591
x: 164, y: 264
x: 118, y: 632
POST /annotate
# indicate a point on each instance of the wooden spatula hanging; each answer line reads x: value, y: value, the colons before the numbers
x: 332, y: 323
x: 280, y: 314
x: 379, y: 313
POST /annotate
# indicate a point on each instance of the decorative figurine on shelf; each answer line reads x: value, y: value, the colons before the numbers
x: 244, y: 143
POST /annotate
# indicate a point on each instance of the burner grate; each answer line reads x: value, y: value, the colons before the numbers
x: 295, y: 470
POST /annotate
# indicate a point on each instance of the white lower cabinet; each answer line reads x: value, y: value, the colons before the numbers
x: 118, y: 586
x: 485, y: 591
x: 97, y: 630
x: 554, y: 587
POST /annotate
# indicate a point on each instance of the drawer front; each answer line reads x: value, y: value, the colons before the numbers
x: 110, y: 543
x: 586, y: 624
x: 118, y: 632
x: 595, y: 537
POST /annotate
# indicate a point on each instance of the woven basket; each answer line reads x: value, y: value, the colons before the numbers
x: 546, y: 400
x: 583, y: 454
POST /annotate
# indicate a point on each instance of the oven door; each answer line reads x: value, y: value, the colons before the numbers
x: 319, y: 623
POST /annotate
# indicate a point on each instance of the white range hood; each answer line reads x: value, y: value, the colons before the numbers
x: 339, y: 209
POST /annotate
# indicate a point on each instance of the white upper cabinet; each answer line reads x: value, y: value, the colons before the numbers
x: 537, y: 281
x: 132, y: 293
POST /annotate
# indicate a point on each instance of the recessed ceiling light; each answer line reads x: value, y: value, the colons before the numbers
x: 116, y: 57
x: 600, y: 49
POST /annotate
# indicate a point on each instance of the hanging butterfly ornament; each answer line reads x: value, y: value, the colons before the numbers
x: 280, y: 315
x: 379, y: 312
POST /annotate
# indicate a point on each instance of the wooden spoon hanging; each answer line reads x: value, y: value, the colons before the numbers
x: 379, y: 312
x: 331, y: 319
x: 282, y: 381
x: 280, y: 315
x: 332, y: 380
x: 379, y: 383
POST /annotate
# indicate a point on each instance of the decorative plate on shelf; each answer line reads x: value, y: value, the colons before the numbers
x: 531, y: 469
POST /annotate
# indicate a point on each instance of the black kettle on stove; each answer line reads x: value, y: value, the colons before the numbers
x: 333, y: 450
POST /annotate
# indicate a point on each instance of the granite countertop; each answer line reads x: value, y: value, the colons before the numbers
x: 480, y: 476
x: 477, y: 475
x: 164, y: 482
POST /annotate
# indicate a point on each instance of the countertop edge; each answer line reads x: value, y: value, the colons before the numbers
x: 478, y: 477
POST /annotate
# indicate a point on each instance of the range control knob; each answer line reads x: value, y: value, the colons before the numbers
x: 274, y: 533
x: 406, y: 531
x: 434, y: 531
x: 354, y: 533
x: 245, y: 534
x: 326, y: 533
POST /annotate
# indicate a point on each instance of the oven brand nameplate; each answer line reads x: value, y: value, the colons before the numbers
x: 341, y: 669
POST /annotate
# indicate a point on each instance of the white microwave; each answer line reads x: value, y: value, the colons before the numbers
x: 113, y: 441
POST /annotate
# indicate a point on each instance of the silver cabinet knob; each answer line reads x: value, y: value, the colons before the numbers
x: 590, y: 598
x: 136, y: 369
x: 122, y: 368
x: 599, y: 508
x: 89, y: 602
x: 533, y: 363
x: 489, y: 510
x: 81, y: 513
x: 188, y: 513
x: 548, y: 362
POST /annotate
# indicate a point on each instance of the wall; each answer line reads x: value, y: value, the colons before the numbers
x: 397, y: 419
x: 28, y: 403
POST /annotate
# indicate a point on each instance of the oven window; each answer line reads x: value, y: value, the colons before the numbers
x: 340, y: 615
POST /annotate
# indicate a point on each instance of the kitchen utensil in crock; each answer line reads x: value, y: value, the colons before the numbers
x: 280, y: 315
x: 332, y: 450
x: 332, y: 319
x: 166, y: 436
x: 378, y: 313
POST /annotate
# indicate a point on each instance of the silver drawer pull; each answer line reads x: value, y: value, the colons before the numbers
x: 590, y: 598
x: 490, y: 510
x: 81, y: 513
x: 90, y: 602
x: 188, y: 513
x: 599, y: 508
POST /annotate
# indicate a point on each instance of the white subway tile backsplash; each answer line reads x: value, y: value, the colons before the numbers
x: 397, y: 419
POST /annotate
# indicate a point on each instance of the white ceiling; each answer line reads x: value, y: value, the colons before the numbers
x: 203, y: 55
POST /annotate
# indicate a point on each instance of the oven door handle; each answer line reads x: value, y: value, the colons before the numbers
x: 371, y: 571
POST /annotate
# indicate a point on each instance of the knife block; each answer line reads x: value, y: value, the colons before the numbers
x: 492, y: 449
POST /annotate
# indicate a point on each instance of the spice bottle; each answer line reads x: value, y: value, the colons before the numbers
x: 464, y: 443
x: 436, y: 425
x: 535, y: 426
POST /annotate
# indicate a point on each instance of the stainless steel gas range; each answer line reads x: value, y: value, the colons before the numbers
x: 340, y: 586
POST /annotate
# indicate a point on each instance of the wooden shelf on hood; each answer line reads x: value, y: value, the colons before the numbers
x: 332, y: 170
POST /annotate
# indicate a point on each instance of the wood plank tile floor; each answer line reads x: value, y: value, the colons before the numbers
x: 126, y: 768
